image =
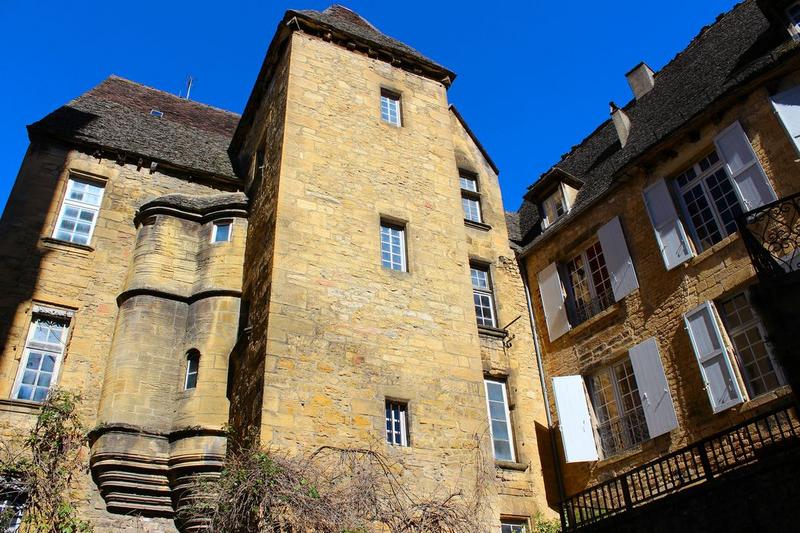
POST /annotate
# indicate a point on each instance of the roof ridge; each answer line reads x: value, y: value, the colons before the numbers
x: 342, y: 6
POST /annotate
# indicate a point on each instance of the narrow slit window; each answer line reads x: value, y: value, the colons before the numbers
x: 390, y: 107
x: 192, y: 369
x: 222, y: 231
x: 78, y: 216
x: 393, y: 246
x: 499, y: 420
x: 41, y: 359
x: 396, y: 423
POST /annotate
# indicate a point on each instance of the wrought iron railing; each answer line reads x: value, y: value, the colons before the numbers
x: 744, y: 444
x: 771, y: 234
x: 586, y: 309
x: 621, y: 433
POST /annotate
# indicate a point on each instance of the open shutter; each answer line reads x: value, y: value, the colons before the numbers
x: 715, y: 365
x: 618, y: 260
x: 669, y: 230
x: 577, y: 432
x: 653, y: 389
x: 787, y: 105
x: 743, y: 167
x: 555, y: 312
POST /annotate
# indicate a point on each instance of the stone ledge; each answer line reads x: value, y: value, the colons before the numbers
x: 477, y: 225
x: 20, y: 406
x: 492, y: 332
x: 58, y: 244
x: 512, y: 465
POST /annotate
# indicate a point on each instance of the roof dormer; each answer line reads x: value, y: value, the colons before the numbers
x: 554, y: 195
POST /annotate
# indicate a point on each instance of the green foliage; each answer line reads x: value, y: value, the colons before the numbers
x: 544, y: 525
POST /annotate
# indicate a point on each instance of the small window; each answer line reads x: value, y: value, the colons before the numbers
x: 499, y: 420
x: 390, y: 107
x: 79, y: 210
x: 709, y: 200
x: 41, y: 358
x: 393, y: 246
x: 156, y: 113
x: 396, y: 423
x: 470, y: 198
x: 589, y: 284
x: 553, y: 207
x: 12, y: 504
x: 793, y: 11
x: 192, y: 369
x: 482, y: 295
x: 618, y: 408
x: 222, y: 231
x: 508, y: 525
x: 760, y: 370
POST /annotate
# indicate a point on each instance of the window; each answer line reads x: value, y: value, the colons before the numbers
x: 709, y: 200
x: 393, y: 246
x: 396, y: 423
x: 589, y: 283
x: 192, y: 369
x: 499, y: 420
x: 618, y: 408
x: 78, y: 215
x: 553, y: 207
x: 470, y: 198
x: 482, y: 295
x: 508, y: 525
x: 760, y: 370
x: 12, y: 503
x: 41, y: 357
x: 793, y: 11
x: 390, y: 107
x: 222, y: 231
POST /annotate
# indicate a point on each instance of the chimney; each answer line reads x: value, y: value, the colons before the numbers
x: 621, y: 122
x: 641, y: 79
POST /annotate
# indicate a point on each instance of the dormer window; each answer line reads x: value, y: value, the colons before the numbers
x: 553, y: 207
x: 793, y: 12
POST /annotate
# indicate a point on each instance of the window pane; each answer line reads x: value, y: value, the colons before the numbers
x: 472, y: 209
x: 222, y: 231
x: 498, y: 420
x: 390, y: 109
x: 43, y: 347
x: 468, y: 184
x: 618, y: 409
x: 725, y: 199
x: 396, y: 423
x: 701, y: 216
x: 393, y: 248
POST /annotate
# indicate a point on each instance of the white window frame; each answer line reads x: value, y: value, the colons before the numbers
x: 487, y: 292
x: 401, y: 229
x: 391, y: 100
x: 509, y: 428
x: 8, y: 501
x: 48, y: 314
x: 593, y: 295
x: 217, y: 224
x: 556, y: 198
x: 402, y: 412
x: 67, y: 202
x: 192, y: 354
x: 470, y: 197
x: 794, y: 23
x: 516, y: 525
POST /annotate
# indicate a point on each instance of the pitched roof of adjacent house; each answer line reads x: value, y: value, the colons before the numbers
x: 739, y: 45
x: 116, y: 115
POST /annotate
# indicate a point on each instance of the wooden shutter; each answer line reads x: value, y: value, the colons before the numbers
x: 743, y: 167
x: 555, y: 312
x: 618, y: 260
x: 787, y: 105
x: 715, y: 365
x: 669, y: 230
x: 653, y: 388
x: 577, y: 432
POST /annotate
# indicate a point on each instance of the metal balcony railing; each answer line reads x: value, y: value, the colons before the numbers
x: 762, y: 436
x: 771, y: 234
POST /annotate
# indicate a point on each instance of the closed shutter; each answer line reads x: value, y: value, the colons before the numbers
x: 735, y: 150
x: 715, y: 365
x: 555, y: 312
x: 618, y: 260
x: 577, y: 432
x: 669, y: 230
x: 787, y: 105
x: 653, y: 389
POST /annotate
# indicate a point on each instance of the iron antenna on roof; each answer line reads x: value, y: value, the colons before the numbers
x: 189, y: 82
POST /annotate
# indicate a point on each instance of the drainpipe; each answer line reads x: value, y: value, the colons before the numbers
x: 537, y: 347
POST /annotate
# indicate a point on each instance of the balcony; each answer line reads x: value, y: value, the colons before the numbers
x: 771, y: 234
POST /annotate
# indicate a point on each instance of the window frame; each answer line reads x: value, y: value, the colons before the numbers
x: 402, y: 412
x: 469, y: 194
x: 400, y: 227
x: 394, y: 100
x: 55, y: 315
x: 513, y: 523
x: 12, y: 499
x: 72, y: 178
x: 215, y: 229
x: 192, y: 356
x: 603, y: 301
x: 487, y: 292
x: 507, y: 410
x: 562, y: 201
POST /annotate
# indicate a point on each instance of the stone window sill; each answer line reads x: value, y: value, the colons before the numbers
x: 608, y: 311
x: 492, y: 332
x: 511, y: 465
x: 50, y: 242
x: 477, y: 225
x: 708, y: 252
x: 764, y: 399
x: 19, y: 406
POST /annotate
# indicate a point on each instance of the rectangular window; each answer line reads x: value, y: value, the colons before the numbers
x: 615, y: 397
x: 760, y: 370
x: 472, y: 209
x: 390, y: 107
x: 470, y: 197
x: 553, y: 207
x: 508, y: 525
x: 78, y: 215
x: 396, y: 423
x: 12, y: 503
x: 222, y: 231
x: 482, y: 295
x: 589, y: 283
x: 499, y: 420
x: 393, y: 246
x: 41, y: 358
x: 793, y: 11
x: 709, y: 200
x: 192, y: 369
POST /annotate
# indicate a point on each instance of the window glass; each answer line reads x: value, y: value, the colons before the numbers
x: 553, y: 207
x: 468, y: 183
x: 499, y: 423
x: 41, y: 358
x: 515, y: 526
x: 397, y: 423
x: 12, y: 502
x: 393, y: 247
x: 590, y: 283
x: 472, y: 209
x: 390, y: 108
x: 222, y: 231
x: 78, y: 215
x: 482, y: 296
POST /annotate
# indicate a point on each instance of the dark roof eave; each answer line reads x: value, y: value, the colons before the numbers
x: 474, y: 139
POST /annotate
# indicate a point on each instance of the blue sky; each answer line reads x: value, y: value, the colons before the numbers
x: 534, y: 77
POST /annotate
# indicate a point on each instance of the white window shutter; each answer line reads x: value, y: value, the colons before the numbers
x: 787, y: 105
x: 577, y: 431
x: 659, y: 411
x: 555, y: 310
x: 618, y: 260
x: 743, y: 167
x: 670, y: 234
x: 715, y: 365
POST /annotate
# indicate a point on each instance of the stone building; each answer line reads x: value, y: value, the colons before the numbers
x: 330, y: 264
x: 642, y: 286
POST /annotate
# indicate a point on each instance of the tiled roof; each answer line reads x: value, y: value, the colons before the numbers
x: 115, y: 115
x: 741, y: 43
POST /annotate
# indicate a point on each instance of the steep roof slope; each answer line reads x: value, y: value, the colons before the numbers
x: 115, y: 115
x: 739, y: 45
